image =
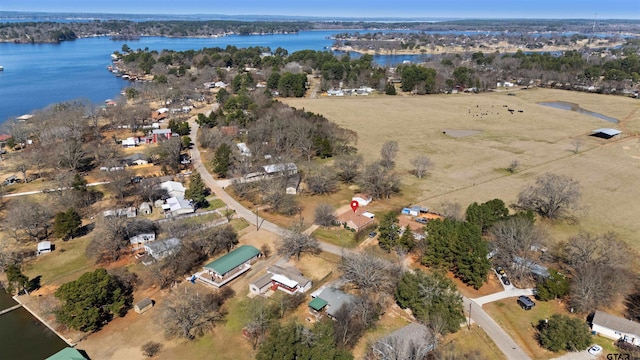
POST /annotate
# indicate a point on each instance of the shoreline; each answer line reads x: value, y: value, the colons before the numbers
x: 439, y: 50
x: 42, y: 321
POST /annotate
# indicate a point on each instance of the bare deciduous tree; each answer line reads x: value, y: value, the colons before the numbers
x: 422, y: 164
x: 452, y: 210
x: 190, y: 315
x: 576, y: 145
x: 151, y: 349
x: 348, y: 167
x: 295, y: 242
x: 109, y: 240
x: 324, y: 215
x: 516, y: 239
x: 369, y: 273
x: 552, y: 196
x: 600, y: 267
x: 388, y: 152
x: 379, y: 182
x: 513, y: 166
x: 321, y: 181
x: 29, y: 219
x: 262, y: 316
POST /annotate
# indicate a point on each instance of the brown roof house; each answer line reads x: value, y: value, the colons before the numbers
x: 356, y: 220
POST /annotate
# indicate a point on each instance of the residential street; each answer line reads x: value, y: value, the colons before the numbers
x: 493, y: 330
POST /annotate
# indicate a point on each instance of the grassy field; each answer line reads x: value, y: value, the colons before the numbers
x: 337, y: 236
x: 471, y: 168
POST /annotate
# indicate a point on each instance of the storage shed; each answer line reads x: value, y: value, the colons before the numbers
x: 143, y: 305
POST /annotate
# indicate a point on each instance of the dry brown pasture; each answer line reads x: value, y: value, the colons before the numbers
x: 473, y: 168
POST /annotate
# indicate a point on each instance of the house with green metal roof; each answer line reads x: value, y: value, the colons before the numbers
x: 229, y: 266
x: 67, y: 353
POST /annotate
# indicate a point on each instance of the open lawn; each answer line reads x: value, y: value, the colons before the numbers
x: 337, y: 236
x: 474, y: 341
x: 520, y: 324
x: 66, y: 263
x: 472, y: 168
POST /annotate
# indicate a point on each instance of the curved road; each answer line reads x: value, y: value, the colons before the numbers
x: 478, y: 315
x: 240, y: 210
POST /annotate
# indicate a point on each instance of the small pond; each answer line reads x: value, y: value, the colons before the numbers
x: 563, y: 105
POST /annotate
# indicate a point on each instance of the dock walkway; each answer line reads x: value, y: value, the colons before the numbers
x: 10, y: 309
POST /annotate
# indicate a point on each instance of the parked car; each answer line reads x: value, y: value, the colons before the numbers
x: 500, y: 270
x: 595, y: 350
x: 421, y: 220
x: 525, y: 302
x: 505, y: 280
x: 373, y: 234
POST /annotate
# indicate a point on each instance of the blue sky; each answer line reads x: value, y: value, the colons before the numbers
x: 605, y: 9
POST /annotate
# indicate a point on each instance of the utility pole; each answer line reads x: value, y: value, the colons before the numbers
x: 257, y: 220
x: 469, y: 321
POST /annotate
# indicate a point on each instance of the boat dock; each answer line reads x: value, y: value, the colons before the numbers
x: 10, y: 309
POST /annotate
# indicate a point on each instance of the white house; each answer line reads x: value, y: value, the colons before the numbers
x: 162, y: 248
x: 616, y: 328
x: 176, y: 206
x: 141, y: 239
x: 289, y: 280
x: 174, y: 188
x: 284, y: 169
x: 362, y: 199
x: 130, y: 142
x: 244, y: 149
x: 44, y: 247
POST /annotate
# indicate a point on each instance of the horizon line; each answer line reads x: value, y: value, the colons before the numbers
x: 326, y: 18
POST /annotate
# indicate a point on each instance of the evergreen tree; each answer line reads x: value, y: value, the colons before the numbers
x: 222, y: 160
x: 390, y: 89
x: 431, y: 297
x: 562, y: 332
x: 457, y: 246
x: 486, y: 214
x: 294, y: 341
x: 389, y: 231
x: 407, y: 241
x: 66, y: 224
x: 197, y: 191
x: 16, y: 280
x: 91, y: 301
x: 555, y: 286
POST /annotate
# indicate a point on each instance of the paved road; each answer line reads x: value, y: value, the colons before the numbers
x: 49, y: 190
x: 502, y: 340
x: 240, y: 210
x: 493, y: 330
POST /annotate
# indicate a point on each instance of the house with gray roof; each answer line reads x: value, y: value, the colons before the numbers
x: 162, y: 248
x: 413, y: 341
x: 616, y: 328
x: 229, y: 266
x: 328, y: 300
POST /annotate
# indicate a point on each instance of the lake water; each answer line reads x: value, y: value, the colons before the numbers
x: 22, y: 336
x: 38, y: 75
x: 563, y: 105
